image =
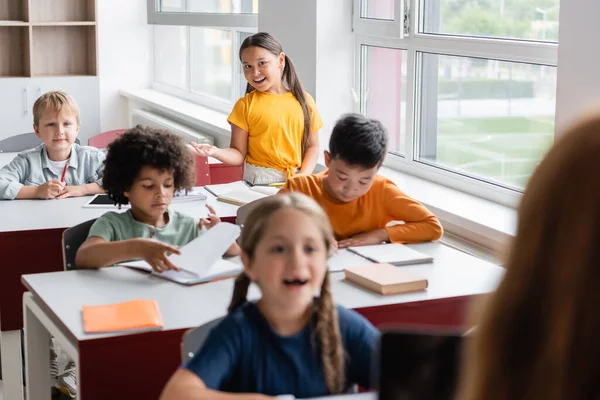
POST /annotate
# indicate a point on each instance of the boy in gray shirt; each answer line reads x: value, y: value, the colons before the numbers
x: 57, y: 168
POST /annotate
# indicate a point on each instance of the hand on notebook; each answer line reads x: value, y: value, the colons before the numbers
x: 377, y: 236
x: 49, y: 190
x: 203, y: 150
x: 71, y: 191
x: 211, y: 221
x: 156, y: 254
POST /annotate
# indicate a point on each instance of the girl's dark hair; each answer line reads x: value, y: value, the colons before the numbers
x: 538, y: 338
x: 145, y: 146
x: 290, y: 77
x: 327, y: 328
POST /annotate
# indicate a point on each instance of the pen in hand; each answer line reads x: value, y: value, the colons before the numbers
x: 62, y: 178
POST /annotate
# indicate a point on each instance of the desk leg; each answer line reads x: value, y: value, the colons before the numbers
x: 37, y: 355
x: 12, y: 367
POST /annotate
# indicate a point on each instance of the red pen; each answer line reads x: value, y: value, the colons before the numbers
x: 62, y: 178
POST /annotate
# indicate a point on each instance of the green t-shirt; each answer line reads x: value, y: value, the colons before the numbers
x: 179, y: 231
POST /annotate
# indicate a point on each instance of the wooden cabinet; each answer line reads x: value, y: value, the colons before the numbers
x: 48, y: 45
x: 48, y: 38
x: 16, y: 109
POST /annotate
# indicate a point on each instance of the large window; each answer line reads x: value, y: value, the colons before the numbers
x: 466, y: 88
x: 194, y: 59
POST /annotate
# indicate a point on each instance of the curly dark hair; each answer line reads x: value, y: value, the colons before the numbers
x: 145, y: 146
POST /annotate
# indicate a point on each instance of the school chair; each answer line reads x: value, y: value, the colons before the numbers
x: 202, y: 169
x: 24, y: 141
x: 243, y: 211
x: 72, y: 239
x: 194, y: 338
x: 102, y: 140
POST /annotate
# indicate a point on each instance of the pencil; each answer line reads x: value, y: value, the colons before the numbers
x: 277, y: 184
x: 62, y: 178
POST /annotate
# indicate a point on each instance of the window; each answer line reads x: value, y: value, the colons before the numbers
x: 209, y: 6
x: 207, y: 13
x: 466, y: 88
x: 193, y: 58
x: 385, y: 99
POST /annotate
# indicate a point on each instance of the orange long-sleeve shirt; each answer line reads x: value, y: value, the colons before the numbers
x: 383, y: 203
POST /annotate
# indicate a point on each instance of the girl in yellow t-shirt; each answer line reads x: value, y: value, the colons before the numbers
x: 274, y: 127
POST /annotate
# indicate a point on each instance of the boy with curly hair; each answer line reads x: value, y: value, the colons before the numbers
x: 144, y: 167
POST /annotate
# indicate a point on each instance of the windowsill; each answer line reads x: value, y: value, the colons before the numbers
x: 471, y: 223
x: 212, y: 121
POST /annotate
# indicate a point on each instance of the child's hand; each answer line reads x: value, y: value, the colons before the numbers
x: 71, y: 191
x: 377, y: 236
x: 335, y: 246
x: 211, y: 221
x: 49, y: 190
x: 203, y: 150
x: 155, y: 253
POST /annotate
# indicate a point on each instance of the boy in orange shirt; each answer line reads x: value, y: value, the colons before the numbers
x: 360, y: 203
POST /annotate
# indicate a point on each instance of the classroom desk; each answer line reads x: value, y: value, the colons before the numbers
x: 224, y: 173
x: 138, y: 365
x: 357, y: 396
x: 30, y: 242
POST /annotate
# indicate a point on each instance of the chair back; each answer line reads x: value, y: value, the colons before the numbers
x: 202, y: 169
x: 243, y: 211
x: 102, y: 140
x: 72, y: 239
x: 194, y: 338
x: 22, y: 142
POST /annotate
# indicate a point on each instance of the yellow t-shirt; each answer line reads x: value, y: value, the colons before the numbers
x: 275, y: 126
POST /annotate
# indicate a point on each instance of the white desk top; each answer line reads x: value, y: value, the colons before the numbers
x: 5, y: 158
x: 357, y: 396
x: 22, y: 215
x: 452, y: 274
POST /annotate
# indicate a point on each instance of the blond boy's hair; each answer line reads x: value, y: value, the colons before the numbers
x: 57, y: 101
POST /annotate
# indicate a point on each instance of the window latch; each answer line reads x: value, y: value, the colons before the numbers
x: 406, y: 22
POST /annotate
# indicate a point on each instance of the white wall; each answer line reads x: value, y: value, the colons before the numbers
x: 335, y: 68
x: 294, y: 23
x: 317, y: 36
x: 578, y: 77
x: 124, y: 55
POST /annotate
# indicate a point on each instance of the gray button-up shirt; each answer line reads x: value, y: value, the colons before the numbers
x: 32, y: 168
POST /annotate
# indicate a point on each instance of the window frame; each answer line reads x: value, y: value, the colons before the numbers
x: 237, y: 24
x: 393, y: 28
x: 206, y: 20
x: 415, y: 43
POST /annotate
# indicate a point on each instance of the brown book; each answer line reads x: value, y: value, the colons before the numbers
x: 385, y: 279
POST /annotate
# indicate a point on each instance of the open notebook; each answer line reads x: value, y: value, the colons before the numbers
x: 103, y: 201
x: 201, y: 259
x: 392, y: 253
x: 240, y: 193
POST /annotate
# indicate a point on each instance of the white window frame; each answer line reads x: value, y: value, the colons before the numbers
x: 235, y: 23
x: 544, y: 53
x: 393, y: 28
x: 206, y: 100
x: 207, y: 20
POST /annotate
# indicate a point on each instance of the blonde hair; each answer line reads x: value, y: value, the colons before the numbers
x: 538, y: 338
x: 57, y: 101
x: 327, y: 329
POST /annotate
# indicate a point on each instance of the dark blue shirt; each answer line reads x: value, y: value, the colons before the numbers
x: 244, y: 354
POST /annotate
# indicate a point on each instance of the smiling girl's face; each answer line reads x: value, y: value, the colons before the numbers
x: 290, y: 261
x: 262, y: 69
